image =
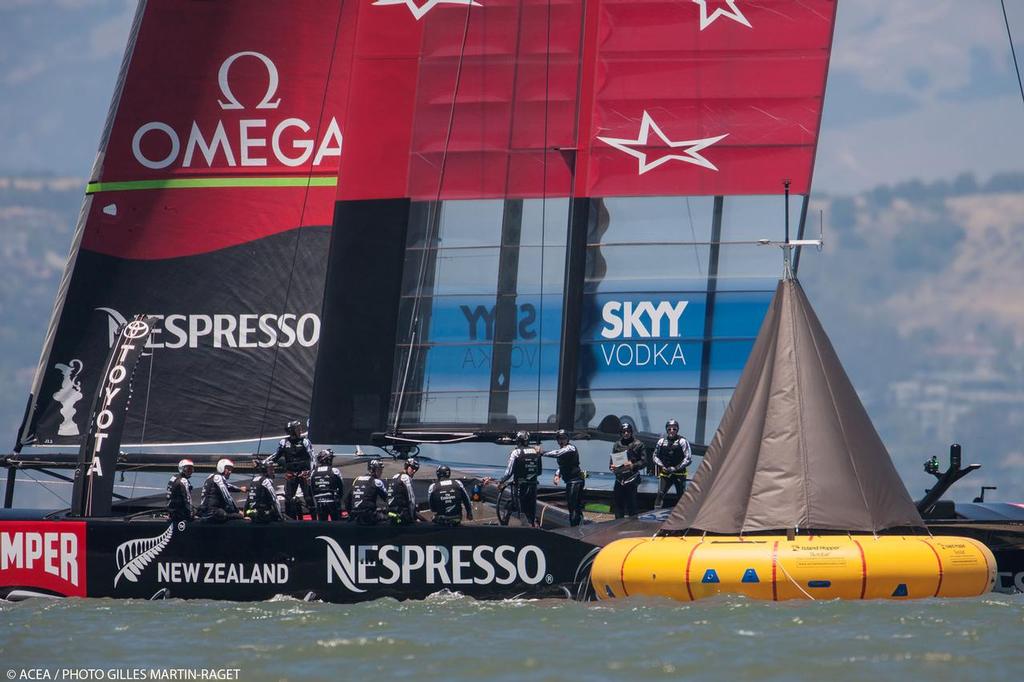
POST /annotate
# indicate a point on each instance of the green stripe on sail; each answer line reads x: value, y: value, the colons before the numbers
x: 197, y: 183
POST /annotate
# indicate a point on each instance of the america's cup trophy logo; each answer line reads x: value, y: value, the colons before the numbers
x: 68, y: 395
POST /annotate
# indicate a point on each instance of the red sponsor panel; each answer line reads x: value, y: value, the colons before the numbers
x: 742, y: 170
x: 385, y: 58
x: 705, y: 97
x: 47, y: 555
x: 485, y: 124
x: 171, y: 223
x: 234, y: 135
x: 248, y: 89
x: 520, y: 98
x: 674, y: 25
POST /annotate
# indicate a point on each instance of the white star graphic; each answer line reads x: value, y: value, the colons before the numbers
x: 733, y: 13
x: 647, y: 124
x: 419, y: 10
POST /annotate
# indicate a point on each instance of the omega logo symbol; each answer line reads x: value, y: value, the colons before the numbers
x: 225, y: 87
x: 241, y: 141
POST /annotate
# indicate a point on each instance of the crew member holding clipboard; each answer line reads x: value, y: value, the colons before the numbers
x: 627, y: 462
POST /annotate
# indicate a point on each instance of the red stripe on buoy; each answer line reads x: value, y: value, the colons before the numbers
x: 622, y: 568
x: 689, y: 560
x: 775, y: 556
x: 863, y: 571
x: 938, y: 559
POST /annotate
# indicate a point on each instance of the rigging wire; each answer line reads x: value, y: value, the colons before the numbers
x: 693, y: 233
x: 433, y: 226
x: 1013, y: 52
x: 145, y: 415
x: 544, y: 207
x: 46, y: 487
x: 298, y: 233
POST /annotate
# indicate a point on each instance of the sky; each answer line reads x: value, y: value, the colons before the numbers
x: 918, y: 89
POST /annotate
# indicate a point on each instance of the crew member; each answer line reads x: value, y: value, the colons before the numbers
x: 524, y: 468
x: 671, y: 457
x: 261, y: 504
x: 447, y: 498
x: 179, y: 493
x: 401, y: 497
x: 295, y: 454
x: 627, y: 474
x: 568, y: 458
x: 217, y: 505
x: 366, y: 491
x: 328, y: 487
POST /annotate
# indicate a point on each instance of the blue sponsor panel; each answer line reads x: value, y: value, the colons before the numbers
x: 739, y: 314
x: 643, y: 364
x: 467, y: 367
x: 471, y: 319
x: 728, y: 358
x: 656, y: 340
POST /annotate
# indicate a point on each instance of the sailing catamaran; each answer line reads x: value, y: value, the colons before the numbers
x: 547, y: 215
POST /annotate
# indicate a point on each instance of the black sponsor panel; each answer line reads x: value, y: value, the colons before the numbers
x: 235, y: 336
x: 97, y: 457
x: 339, y: 562
x: 354, y: 370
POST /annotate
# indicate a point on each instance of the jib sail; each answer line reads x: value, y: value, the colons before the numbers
x: 565, y: 201
x: 208, y: 209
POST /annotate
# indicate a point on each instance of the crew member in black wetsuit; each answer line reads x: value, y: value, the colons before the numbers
x: 569, y: 471
x: 217, y: 505
x: 328, y: 487
x: 447, y: 498
x: 524, y: 468
x: 671, y: 457
x: 295, y: 454
x: 627, y: 475
x: 361, y: 499
x: 401, y: 498
x: 179, y: 493
x: 261, y: 505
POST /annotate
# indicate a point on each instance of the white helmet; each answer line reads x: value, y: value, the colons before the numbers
x: 223, y: 464
x: 183, y: 464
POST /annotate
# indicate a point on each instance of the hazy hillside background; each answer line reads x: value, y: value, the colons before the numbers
x: 919, y: 287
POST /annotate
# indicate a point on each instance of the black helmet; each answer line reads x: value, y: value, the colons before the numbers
x: 294, y: 428
x: 262, y: 465
x: 443, y: 472
x: 626, y: 428
x: 413, y: 463
x: 375, y: 467
x: 671, y: 423
x: 560, y: 434
x: 325, y: 456
x: 522, y: 438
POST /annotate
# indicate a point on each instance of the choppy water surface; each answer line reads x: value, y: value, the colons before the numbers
x: 458, y: 638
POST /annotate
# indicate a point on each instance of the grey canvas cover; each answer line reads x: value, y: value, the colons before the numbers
x: 796, y: 448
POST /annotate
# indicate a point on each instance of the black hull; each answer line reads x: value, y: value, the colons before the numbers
x: 336, y: 562
x: 339, y: 562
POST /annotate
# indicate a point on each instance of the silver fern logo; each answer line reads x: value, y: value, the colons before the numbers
x: 134, y: 555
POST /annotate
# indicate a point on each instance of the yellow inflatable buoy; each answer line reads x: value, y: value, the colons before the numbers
x: 806, y: 567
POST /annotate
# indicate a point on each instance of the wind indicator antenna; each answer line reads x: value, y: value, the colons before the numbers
x: 787, y: 245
